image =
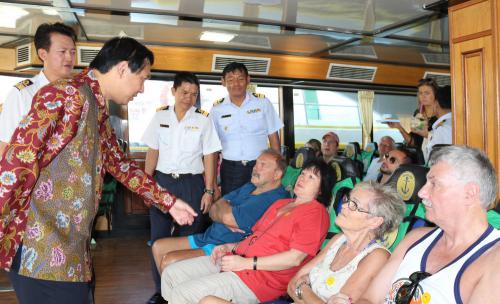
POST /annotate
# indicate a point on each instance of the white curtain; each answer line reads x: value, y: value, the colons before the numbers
x: 365, y: 106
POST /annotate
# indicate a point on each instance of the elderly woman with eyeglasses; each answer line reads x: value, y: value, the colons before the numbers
x: 341, y: 272
x: 259, y: 268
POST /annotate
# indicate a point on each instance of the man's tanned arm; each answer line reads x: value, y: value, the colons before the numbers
x: 222, y: 212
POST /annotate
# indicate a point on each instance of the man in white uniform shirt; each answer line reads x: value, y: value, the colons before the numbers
x: 245, y: 122
x: 182, y: 146
x: 442, y: 128
x: 55, y: 46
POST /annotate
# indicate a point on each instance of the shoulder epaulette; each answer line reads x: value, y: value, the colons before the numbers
x: 218, y: 101
x: 202, y: 112
x: 23, y: 84
x: 259, y: 95
x: 441, y: 123
x: 162, y: 108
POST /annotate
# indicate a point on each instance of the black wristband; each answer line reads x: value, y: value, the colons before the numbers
x: 254, y: 263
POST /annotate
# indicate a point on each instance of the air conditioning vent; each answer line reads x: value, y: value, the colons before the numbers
x: 351, y: 72
x: 436, y: 58
x: 23, y: 54
x: 441, y: 78
x: 366, y: 51
x: 86, y: 54
x: 255, y: 65
x: 251, y: 41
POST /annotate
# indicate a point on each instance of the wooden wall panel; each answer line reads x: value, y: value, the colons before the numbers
x: 283, y: 66
x: 473, y: 17
x: 8, y: 59
x: 197, y: 60
x: 474, y: 94
x: 475, y: 56
x: 474, y: 105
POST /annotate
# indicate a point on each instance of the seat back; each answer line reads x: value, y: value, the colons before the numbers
x: 292, y: 172
x: 352, y: 150
x: 408, y: 180
x: 367, y: 155
x: 348, y: 175
x: 302, y: 156
x: 494, y: 218
x: 416, y: 155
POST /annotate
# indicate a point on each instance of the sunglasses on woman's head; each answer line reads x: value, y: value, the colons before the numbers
x: 407, y: 291
x: 391, y: 159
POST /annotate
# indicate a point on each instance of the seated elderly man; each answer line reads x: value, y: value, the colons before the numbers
x: 385, y: 145
x: 457, y: 262
x: 233, y: 215
x: 259, y: 268
x: 391, y: 161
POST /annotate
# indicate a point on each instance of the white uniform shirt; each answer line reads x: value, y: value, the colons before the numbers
x: 373, y: 170
x: 244, y: 130
x: 441, y: 133
x: 181, y: 144
x: 18, y: 104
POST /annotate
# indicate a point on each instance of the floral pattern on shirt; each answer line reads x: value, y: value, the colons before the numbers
x: 49, y: 126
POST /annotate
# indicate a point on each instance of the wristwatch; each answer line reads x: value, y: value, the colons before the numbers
x: 209, y: 191
x: 298, y: 289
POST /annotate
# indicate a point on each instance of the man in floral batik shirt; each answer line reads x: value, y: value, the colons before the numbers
x: 51, y: 176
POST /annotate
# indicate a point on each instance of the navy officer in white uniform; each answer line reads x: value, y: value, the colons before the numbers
x: 182, y: 145
x: 55, y: 46
x: 245, y: 122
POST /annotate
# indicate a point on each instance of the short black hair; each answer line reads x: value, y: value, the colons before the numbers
x: 42, y: 35
x: 120, y: 49
x: 234, y: 66
x: 186, y: 77
x: 444, y: 97
x: 328, y: 179
x: 410, y: 157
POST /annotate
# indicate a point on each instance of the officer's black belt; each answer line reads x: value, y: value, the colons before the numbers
x: 177, y: 175
x: 243, y: 163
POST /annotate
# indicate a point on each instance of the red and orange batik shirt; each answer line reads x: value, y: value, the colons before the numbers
x: 51, y: 177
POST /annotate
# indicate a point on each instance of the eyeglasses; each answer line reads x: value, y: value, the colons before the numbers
x: 391, y: 159
x: 353, y: 205
x: 407, y: 291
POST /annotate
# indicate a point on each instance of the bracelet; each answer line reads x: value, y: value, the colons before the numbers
x: 298, y: 289
x: 209, y: 191
x: 254, y: 263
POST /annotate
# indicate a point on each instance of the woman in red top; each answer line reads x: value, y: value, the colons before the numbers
x: 259, y: 268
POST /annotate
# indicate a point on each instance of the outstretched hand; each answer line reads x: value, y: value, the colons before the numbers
x: 182, y: 213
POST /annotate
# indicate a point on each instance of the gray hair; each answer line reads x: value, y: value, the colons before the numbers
x: 385, y: 203
x: 470, y: 165
x: 387, y: 137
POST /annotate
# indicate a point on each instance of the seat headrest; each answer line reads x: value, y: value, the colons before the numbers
x: 302, y: 156
x: 346, y: 167
x: 371, y: 147
x: 416, y: 155
x: 352, y: 150
x: 408, y: 180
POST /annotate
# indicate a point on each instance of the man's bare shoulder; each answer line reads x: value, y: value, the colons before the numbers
x: 479, y: 281
x: 412, y: 237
